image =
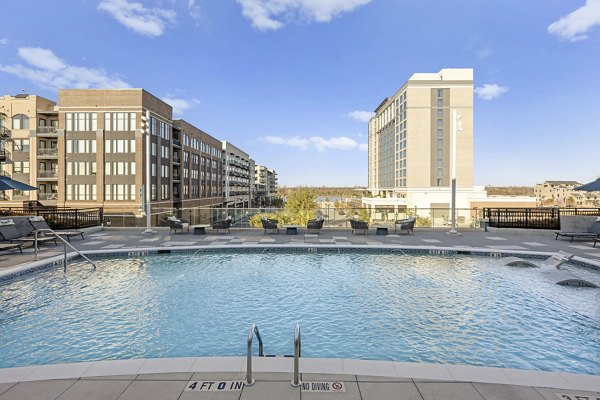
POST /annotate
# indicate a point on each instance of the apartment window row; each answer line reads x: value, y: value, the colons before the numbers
x: 160, y: 128
x: 203, y: 147
x: 120, y: 121
x: 42, y: 122
x: 119, y: 192
x: 119, y: 146
x: 81, y: 192
x: 81, y: 146
x: 164, y: 151
x: 81, y: 168
x: 119, y: 168
x: 81, y: 122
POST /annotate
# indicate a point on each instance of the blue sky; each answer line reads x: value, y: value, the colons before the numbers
x: 292, y: 81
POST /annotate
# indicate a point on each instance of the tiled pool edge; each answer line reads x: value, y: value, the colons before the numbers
x: 23, y: 269
x: 237, y: 366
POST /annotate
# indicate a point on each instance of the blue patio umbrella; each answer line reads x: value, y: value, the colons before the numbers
x: 7, y: 183
x: 590, y: 187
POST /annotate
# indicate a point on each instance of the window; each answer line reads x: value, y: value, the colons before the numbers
x: 41, y: 122
x: 440, y: 181
x: 440, y: 93
x: 81, y: 168
x: 21, y: 145
x: 440, y: 143
x: 440, y: 172
x: 81, y: 192
x: 119, y: 121
x: 440, y: 162
x: 81, y: 146
x: 440, y: 103
x: 119, y: 146
x: 20, y: 121
x: 440, y: 133
x: 82, y: 122
x: 440, y: 113
x: 21, y: 167
x: 440, y: 153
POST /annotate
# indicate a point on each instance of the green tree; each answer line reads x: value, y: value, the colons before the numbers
x: 302, y: 199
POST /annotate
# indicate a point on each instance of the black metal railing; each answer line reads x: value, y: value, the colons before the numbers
x: 532, y: 218
x: 61, y: 218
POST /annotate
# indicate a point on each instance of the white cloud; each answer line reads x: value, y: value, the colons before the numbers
x: 195, y: 11
x: 179, y: 105
x: 362, y: 116
x: 47, y: 70
x: 490, y: 91
x: 3, y: 41
x: 319, y: 143
x: 574, y: 26
x: 145, y: 21
x: 267, y: 14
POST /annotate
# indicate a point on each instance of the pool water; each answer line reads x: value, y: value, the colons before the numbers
x: 416, y: 308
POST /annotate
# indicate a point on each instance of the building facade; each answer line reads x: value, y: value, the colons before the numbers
x: 238, y: 177
x: 563, y: 194
x: 265, y: 181
x: 30, y: 147
x: 410, y: 143
x: 90, y: 150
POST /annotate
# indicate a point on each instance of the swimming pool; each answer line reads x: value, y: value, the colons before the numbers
x: 418, y: 308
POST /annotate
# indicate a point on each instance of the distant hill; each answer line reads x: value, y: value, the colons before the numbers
x: 509, y: 190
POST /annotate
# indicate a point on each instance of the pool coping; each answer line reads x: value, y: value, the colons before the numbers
x: 57, y: 260
x: 334, y: 367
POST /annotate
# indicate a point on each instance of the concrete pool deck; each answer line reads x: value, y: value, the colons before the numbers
x: 505, y: 241
x: 169, y: 378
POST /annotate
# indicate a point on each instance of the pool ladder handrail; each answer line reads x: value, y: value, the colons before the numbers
x: 253, y: 330
x: 57, y: 236
x: 297, y: 354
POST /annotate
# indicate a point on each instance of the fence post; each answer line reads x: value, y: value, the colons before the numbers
x: 76, y: 218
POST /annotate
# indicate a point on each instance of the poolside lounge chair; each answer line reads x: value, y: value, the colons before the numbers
x: 222, y: 225
x: 407, y: 225
x: 555, y: 260
x: 9, y: 232
x: 315, y: 225
x: 269, y: 224
x: 550, y: 268
x: 10, y: 246
x: 40, y: 223
x: 358, y: 225
x: 592, y: 233
x: 176, y: 224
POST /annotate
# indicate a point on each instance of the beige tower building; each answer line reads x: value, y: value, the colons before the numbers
x: 410, y: 143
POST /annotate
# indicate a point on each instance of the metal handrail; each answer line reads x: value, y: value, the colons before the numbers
x: 297, y: 354
x: 253, y: 330
x: 35, y: 246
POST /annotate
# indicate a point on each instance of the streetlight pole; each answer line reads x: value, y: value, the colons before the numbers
x: 456, y: 126
x: 145, y: 124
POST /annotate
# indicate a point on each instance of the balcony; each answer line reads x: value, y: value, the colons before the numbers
x: 47, y: 196
x: 47, y: 175
x: 48, y: 152
x: 46, y: 131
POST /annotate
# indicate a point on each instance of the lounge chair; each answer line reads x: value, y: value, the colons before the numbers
x: 9, y: 232
x: 405, y: 225
x: 358, y: 225
x: 40, y: 223
x: 269, y: 224
x: 592, y: 233
x: 175, y: 224
x: 550, y: 268
x: 222, y: 225
x: 555, y: 260
x: 10, y: 246
x: 315, y: 225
